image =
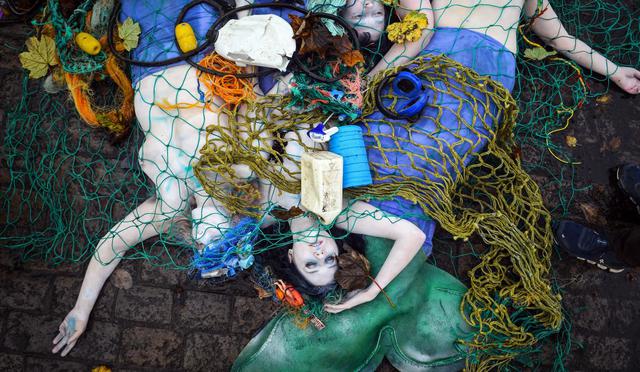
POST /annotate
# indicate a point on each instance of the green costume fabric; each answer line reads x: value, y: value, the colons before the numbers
x: 419, y: 334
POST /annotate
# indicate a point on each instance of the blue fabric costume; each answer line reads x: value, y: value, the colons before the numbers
x: 267, y: 82
x: 392, y: 149
x: 157, y: 19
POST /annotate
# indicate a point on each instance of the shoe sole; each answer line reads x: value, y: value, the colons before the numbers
x: 597, y: 264
x: 600, y: 266
x: 622, y: 188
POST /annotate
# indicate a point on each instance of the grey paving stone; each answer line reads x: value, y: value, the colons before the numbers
x: 250, y: 313
x: 64, y: 269
x: 54, y: 365
x: 201, y: 310
x: 65, y: 293
x: 9, y: 257
x: 30, y: 333
x: 99, y: 343
x: 209, y: 352
x: 238, y: 286
x: 11, y: 362
x: 609, y: 353
x: 147, y: 347
x: 144, y: 304
x: 22, y: 291
x: 624, y: 320
x: 150, y: 274
x: 589, y: 312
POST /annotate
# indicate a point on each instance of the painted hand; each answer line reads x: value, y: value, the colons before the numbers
x: 628, y: 79
x: 70, y: 330
x: 353, y: 299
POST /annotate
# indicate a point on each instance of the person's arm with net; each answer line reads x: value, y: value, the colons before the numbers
x: 402, y: 53
x: 548, y: 26
x: 173, y: 120
x: 363, y: 218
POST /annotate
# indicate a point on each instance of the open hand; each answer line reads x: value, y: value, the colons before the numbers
x: 353, y: 299
x: 71, y: 328
x: 628, y: 79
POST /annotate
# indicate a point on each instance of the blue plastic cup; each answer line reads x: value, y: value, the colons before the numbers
x: 349, y: 144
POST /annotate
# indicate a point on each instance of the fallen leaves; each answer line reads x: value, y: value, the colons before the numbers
x: 592, y: 214
x: 314, y: 37
x: 604, y: 99
x: 129, y: 32
x: 262, y: 293
x: 122, y: 279
x: 287, y: 214
x: 40, y: 54
x: 353, y: 270
x: 612, y: 145
x: 538, y: 53
x: 352, y: 58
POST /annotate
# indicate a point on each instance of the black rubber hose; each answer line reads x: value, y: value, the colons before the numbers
x: 212, y: 36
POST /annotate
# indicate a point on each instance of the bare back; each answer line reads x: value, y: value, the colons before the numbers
x: 496, y: 18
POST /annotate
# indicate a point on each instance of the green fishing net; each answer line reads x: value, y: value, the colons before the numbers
x: 195, y: 167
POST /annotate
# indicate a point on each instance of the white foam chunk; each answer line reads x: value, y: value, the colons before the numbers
x: 257, y: 40
x: 322, y: 184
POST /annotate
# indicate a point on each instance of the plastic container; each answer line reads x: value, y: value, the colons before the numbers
x: 349, y: 144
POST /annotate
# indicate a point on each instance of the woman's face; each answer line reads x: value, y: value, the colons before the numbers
x: 315, y: 257
x: 367, y: 18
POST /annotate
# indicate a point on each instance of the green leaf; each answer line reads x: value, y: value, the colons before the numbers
x: 538, y: 53
x: 40, y: 54
x: 129, y: 32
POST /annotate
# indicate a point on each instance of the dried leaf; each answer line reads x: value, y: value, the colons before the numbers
x: 262, y: 293
x: 615, y: 143
x: 352, y: 58
x: 314, y: 37
x: 40, y: 54
x: 285, y: 215
x: 353, y: 270
x: 592, y: 214
x: 129, y: 32
x: 604, y: 99
x: 122, y: 279
x: 571, y: 141
x: 538, y: 53
x: 101, y: 369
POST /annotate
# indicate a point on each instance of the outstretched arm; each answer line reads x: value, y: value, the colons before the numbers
x: 402, y: 53
x: 363, y: 218
x: 551, y: 30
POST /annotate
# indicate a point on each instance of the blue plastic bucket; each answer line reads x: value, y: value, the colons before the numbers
x: 349, y: 144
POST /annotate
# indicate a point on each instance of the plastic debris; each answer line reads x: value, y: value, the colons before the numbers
x: 186, y: 37
x: 88, y: 43
x: 258, y: 40
x: 322, y: 184
x: 320, y: 134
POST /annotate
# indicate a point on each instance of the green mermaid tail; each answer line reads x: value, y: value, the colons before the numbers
x: 420, y: 334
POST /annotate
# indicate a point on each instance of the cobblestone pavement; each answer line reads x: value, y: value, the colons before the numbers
x: 165, y: 322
